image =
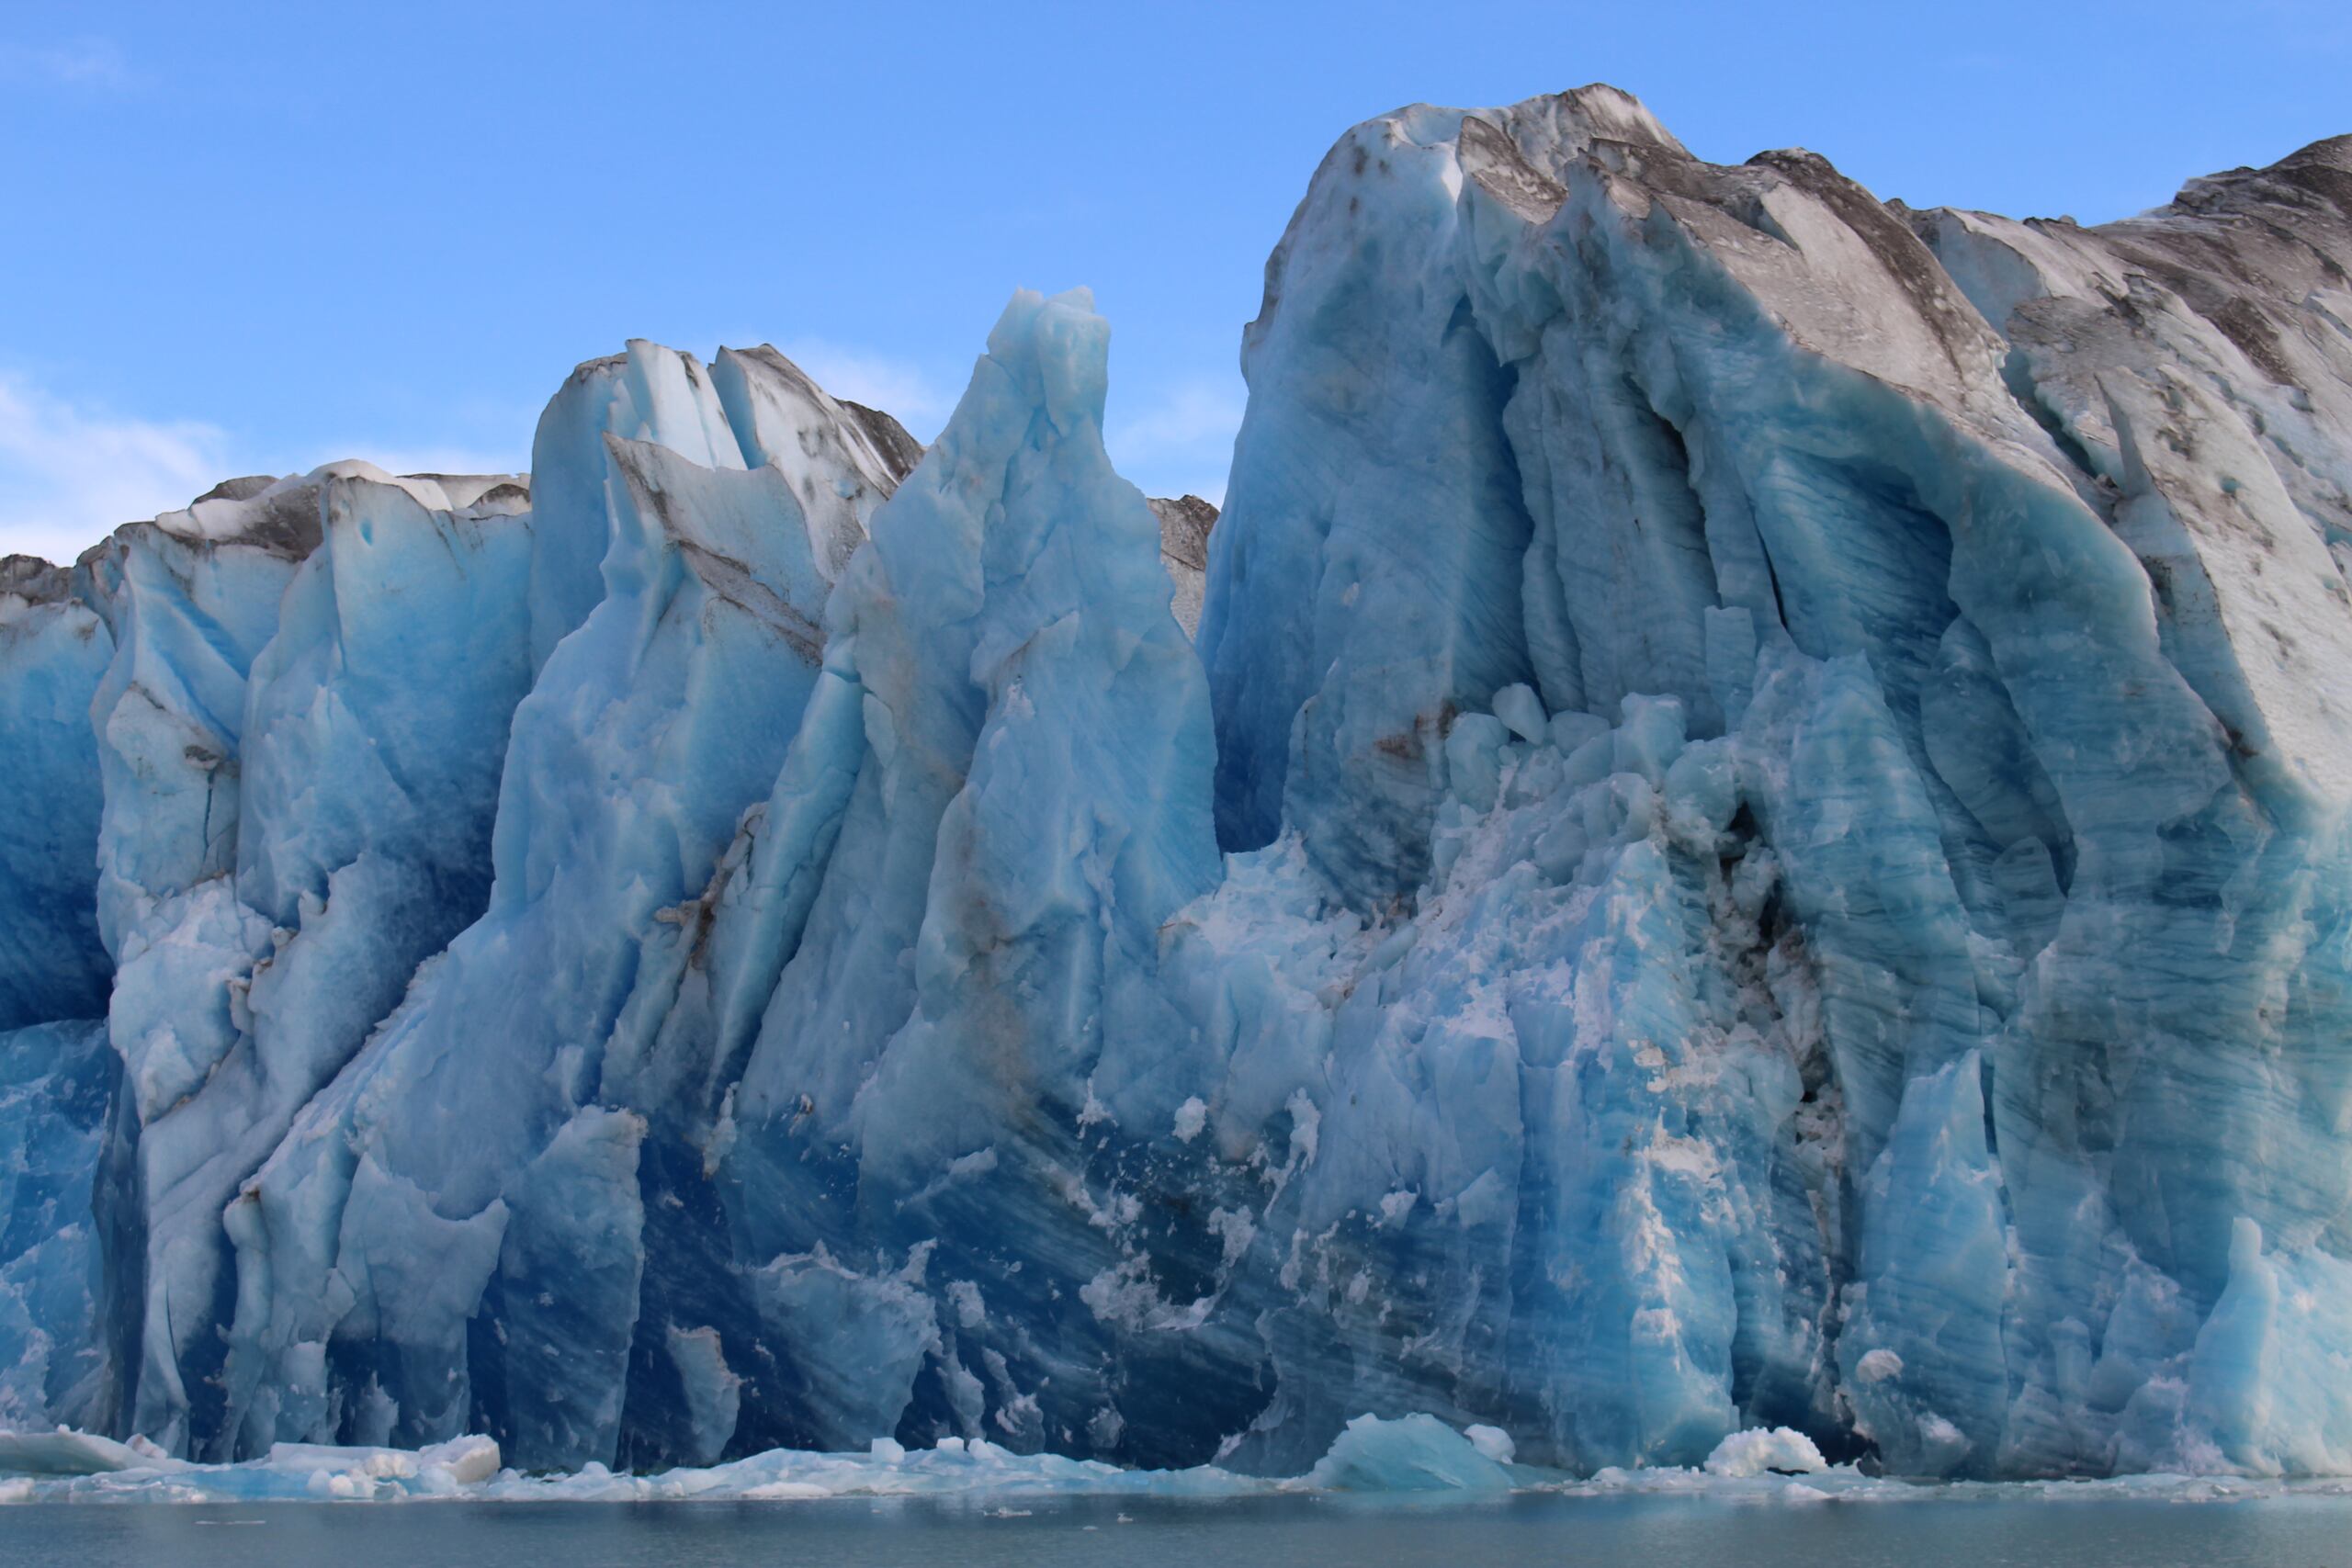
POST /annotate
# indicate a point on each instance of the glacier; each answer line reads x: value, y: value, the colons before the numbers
x: 1730, y: 857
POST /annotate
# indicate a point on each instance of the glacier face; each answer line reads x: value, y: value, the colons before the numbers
x: 1753, y: 837
x: 53, y: 649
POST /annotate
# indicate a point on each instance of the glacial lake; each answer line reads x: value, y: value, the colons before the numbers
x: 1977, y: 1531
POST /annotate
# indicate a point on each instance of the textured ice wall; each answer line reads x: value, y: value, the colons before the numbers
x: 1016, y: 775
x: 54, y: 649
x: 461, y: 1206
x: 374, y: 722
x: 2025, y: 656
x: 1780, y: 763
x: 56, y: 1080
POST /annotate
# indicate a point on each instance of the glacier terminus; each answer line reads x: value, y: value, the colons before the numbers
x: 1735, y: 851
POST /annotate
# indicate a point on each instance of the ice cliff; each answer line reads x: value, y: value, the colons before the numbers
x: 1754, y: 836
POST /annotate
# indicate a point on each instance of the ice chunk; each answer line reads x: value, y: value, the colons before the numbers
x: 1492, y: 1442
x: 1758, y: 1451
x: 1412, y: 1453
x: 1519, y: 708
x: 68, y: 1452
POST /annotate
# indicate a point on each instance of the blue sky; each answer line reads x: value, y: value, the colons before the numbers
x: 244, y: 238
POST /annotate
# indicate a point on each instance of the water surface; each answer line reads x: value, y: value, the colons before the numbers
x: 1294, y: 1532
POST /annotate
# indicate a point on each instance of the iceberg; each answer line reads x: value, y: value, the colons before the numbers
x: 1727, y: 870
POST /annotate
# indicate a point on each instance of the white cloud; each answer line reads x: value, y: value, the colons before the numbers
x: 905, y: 391
x: 70, y: 472
x: 1192, y: 417
x: 1181, y: 444
x: 70, y: 62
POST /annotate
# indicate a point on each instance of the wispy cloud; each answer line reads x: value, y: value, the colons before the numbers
x: 1191, y: 414
x: 70, y: 472
x: 1181, y: 443
x: 94, y: 63
x: 911, y: 393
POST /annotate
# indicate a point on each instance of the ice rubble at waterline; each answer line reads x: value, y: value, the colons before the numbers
x: 1415, y: 1460
x: 1753, y: 838
x: 1416, y: 1454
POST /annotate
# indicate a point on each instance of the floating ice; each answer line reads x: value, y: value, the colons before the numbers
x: 1758, y: 1452
x: 1416, y: 1454
x: 1413, y: 1454
x: 1413, y: 1458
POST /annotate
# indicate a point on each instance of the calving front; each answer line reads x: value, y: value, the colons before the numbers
x: 1754, y: 839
